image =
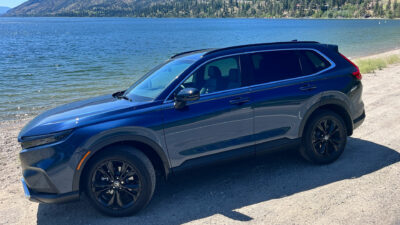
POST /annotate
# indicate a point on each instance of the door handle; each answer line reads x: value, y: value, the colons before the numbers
x: 239, y: 101
x: 307, y: 87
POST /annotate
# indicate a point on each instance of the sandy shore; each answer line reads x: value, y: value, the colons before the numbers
x: 381, y: 55
x: 362, y: 187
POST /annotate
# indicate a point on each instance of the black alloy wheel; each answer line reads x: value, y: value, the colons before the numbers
x: 120, y: 180
x: 116, y: 184
x: 327, y: 137
x: 324, y: 138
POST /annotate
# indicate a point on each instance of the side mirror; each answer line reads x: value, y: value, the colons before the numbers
x: 185, y: 95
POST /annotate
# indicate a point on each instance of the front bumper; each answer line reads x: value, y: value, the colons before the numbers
x: 48, y: 198
x: 48, y: 172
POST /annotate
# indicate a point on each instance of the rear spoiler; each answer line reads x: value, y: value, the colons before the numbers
x: 334, y: 48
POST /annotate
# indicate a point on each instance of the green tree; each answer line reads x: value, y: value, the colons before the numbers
x: 396, y: 9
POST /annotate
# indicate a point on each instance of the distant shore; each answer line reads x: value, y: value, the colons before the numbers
x: 238, y: 17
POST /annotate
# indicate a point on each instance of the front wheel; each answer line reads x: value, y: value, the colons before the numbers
x: 120, y: 181
x: 324, y: 138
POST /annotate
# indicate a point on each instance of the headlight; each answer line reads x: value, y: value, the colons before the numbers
x: 34, y: 141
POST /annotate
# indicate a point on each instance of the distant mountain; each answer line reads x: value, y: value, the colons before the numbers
x: 211, y: 8
x: 79, y: 8
x: 3, y: 9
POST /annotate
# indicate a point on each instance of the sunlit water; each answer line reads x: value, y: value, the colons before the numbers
x: 45, y: 62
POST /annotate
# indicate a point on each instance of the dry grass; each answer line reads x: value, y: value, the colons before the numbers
x: 373, y: 64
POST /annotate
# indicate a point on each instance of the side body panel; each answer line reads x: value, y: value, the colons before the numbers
x: 208, y: 126
x: 279, y: 109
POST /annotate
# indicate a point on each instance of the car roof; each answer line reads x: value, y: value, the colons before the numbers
x: 211, y: 51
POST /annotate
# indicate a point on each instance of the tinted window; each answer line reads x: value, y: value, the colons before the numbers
x: 218, y: 75
x: 275, y: 65
x: 280, y: 65
x: 312, y: 62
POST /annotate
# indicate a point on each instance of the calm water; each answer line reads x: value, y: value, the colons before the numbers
x: 45, y: 62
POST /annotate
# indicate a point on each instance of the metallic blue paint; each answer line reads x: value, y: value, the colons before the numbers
x: 218, y: 123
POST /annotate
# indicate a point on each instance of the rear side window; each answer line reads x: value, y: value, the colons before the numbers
x: 312, y: 62
x: 275, y: 65
x: 285, y: 64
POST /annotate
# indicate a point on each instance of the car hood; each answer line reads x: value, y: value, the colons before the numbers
x: 77, y: 114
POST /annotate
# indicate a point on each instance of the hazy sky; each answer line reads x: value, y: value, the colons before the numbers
x: 11, y: 3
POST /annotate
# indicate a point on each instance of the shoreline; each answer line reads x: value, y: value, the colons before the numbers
x: 238, y: 17
x: 395, y: 51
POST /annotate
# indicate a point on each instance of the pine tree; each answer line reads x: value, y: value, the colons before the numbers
x: 376, y: 9
x: 389, y: 5
x: 396, y: 9
x: 250, y: 8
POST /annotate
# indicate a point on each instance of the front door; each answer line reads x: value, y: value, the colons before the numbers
x: 220, y: 121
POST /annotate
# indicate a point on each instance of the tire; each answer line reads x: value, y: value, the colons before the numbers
x: 324, y: 138
x: 120, y: 181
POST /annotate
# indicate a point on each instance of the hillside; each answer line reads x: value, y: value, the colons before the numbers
x: 211, y: 8
x: 3, y: 9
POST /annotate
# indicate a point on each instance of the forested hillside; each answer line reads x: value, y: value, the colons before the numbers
x: 212, y: 8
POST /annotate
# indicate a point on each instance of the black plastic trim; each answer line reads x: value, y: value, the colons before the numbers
x: 117, y: 138
x: 359, y: 120
x: 49, y: 198
x: 277, y: 145
x: 236, y: 154
x: 58, y: 198
x: 322, y: 102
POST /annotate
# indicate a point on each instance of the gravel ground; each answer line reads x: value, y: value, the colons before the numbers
x: 362, y: 187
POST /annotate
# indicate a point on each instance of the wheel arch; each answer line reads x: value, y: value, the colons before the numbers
x: 150, y: 148
x: 334, y: 105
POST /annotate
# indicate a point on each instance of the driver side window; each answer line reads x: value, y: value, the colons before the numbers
x: 219, y: 75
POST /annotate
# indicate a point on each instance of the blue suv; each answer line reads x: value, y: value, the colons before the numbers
x: 198, y: 107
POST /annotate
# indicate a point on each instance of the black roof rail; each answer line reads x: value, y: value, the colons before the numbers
x: 183, y: 53
x: 259, y: 44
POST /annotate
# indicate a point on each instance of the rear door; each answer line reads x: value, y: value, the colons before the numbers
x: 285, y: 84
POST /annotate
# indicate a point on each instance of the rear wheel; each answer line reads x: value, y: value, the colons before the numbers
x: 324, y: 138
x: 120, y: 181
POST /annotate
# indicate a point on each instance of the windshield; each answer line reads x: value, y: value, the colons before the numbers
x: 155, y: 82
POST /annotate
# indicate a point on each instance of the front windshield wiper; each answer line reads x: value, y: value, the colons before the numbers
x: 120, y: 95
x: 123, y: 97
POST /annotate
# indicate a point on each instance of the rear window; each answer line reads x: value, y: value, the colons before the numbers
x: 275, y: 65
x: 286, y: 64
x: 312, y: 62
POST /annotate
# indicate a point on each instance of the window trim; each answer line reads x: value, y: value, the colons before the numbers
x: 333, y: 65
x: 199, y: 67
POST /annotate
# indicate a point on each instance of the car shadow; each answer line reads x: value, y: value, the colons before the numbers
x: 222, y: 189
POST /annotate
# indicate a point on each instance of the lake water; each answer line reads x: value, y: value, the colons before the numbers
x: 45, y: 62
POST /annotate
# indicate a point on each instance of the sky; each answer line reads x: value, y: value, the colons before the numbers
x: 11, y: 3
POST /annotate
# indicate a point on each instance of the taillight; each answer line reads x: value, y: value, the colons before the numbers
x: 355, y: 73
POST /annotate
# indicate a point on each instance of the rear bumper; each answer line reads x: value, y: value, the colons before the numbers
x: 48, y: 198
x: 359, y: 120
